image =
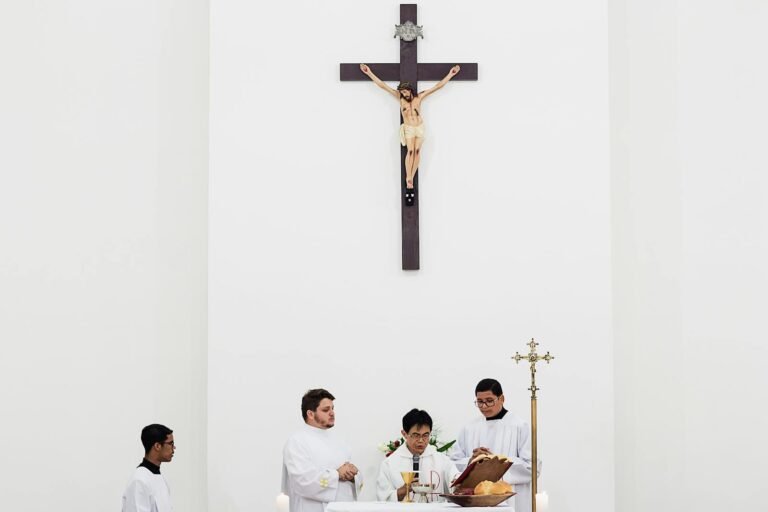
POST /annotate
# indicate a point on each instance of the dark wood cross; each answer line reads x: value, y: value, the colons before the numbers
x: 409, y: 70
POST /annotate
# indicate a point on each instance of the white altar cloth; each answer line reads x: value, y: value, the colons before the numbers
x: 391, y: 506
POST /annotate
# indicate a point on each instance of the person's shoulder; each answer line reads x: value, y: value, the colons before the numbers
x: 300, y: 432
x: 439, y: 455
x: 386, y: 462
x: 142, y: 473
x: 513, y: 419
x: 402, y: 451
x: 389, y: 461
x: 295, y: 434
x: 297, y: 437
x: 306, y: 436
x: 473, y: 423
x: 442, y: 460
x: 140, y: 480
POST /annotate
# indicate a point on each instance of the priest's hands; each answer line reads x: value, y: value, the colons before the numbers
x: 347, y: 472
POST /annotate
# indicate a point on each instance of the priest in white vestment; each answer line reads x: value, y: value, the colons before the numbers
x: 148, y: 491
x: 316, y: 467
x: 498, y: 432
x: 416, y: 454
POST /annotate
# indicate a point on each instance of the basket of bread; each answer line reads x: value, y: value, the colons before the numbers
x: 480, y: 485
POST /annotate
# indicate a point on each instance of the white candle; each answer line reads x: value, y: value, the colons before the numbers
x: 542, y: 502
x: 281, y: 503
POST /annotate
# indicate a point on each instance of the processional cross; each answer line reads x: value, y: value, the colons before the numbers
x: 408, y: 70
x: 533, y: 358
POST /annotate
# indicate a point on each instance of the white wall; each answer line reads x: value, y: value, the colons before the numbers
x: 689, y: 234
x: 102, y: 242
x: 103, y: 112
x: 305, y: 286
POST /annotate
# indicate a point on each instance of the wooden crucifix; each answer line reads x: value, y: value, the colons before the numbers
x: 411, y: 71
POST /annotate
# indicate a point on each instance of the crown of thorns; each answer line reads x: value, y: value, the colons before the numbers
x: 405, y: 86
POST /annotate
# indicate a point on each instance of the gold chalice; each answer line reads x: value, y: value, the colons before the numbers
x: 408, y: 478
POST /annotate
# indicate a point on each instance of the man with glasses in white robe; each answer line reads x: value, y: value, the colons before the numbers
x: 148, y: 491
x: 417, y: 455
x: 498, y: 432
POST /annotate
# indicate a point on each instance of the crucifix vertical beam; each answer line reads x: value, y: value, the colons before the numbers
x: 408, y: 70
x: 409, y: 214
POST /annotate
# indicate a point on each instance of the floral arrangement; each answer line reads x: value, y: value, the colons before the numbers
x: 390, y: 446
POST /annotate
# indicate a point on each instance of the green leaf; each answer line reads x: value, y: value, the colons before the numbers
x: 446, y: 446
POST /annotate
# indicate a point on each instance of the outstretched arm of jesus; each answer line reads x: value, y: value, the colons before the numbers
x: 439, y: 85
x: 365, y: 69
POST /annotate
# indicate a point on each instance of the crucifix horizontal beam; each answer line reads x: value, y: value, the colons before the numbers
x: 431, y: 72
x: 409, y: 69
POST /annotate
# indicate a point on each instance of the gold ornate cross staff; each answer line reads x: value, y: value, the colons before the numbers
x: 533, y: 358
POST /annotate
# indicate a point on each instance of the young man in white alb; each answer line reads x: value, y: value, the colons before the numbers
x: 148, y: 490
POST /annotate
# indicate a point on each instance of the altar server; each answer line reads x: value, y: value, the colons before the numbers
x: 316, y: 467
x: 148, y: 491
x: 415, y: 455
x: 498, y: 432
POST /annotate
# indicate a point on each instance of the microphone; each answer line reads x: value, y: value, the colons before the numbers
x: 415, y: 463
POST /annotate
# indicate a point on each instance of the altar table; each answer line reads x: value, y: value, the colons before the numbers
x: 391, y: 506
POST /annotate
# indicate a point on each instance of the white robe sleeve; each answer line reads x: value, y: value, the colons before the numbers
x: 308, y: 480
x: 450, y: 473
x: 520, y: 472
x: 385, y: 488
x: 358, y: 483
x: 460, y: 452
x: 137, y: 498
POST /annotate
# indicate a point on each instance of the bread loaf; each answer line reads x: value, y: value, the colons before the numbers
x: 484, y: 487
x: 501, y: 487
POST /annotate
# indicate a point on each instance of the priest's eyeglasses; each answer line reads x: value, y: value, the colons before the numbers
x: 416, y: 436
x: 485, y: 403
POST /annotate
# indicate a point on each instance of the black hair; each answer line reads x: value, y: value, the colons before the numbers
x: 407, y: 86
x: 416, y: 417
x: 311, y: 400
x: 491, y: 385
x: 152, y: 434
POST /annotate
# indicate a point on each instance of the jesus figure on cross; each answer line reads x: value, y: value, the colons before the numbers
x: 412, y: 129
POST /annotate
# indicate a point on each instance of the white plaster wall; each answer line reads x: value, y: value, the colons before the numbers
x: 305, y: 286
x: 690, y: 241
x: 103, y: 168
x: 102, y: 231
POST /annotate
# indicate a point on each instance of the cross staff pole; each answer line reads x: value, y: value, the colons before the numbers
x: 533, y: 358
